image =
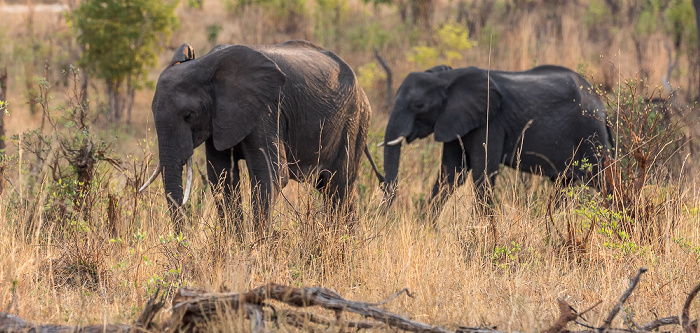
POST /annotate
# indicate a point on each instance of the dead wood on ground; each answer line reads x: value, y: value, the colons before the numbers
x: 193, y: 310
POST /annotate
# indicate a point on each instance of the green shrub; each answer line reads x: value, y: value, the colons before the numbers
x: 451, y: 40
x: 369, y: 74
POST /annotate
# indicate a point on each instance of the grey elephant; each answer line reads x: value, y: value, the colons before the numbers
x: 544, y: 120
x: 291, y: 111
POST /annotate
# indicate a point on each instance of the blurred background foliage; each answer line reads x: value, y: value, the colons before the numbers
x: 118, y: 42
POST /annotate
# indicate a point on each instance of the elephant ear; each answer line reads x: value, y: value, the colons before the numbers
x: 469, y: 96
x: 247, y: 87
x: 183, y: 53
x: 438, y: 69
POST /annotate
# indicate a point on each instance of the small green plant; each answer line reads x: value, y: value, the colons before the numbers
x: 424, y: 56
x: 168, y: 280
x: 688, y: 247
x: 506, y: 255
x: 646, y: 136
x: 369, y: 75
x: 329, y: 17
x: 196, y: 4
x: 451, y: 40
x: 66, y: 146
x: 5, y: 107
x: 596, y: 13
x: 372, y: 35
x: 213, y: 33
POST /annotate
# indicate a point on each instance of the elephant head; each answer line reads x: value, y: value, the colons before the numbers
x: 221, y: 96
x: 446, y: 102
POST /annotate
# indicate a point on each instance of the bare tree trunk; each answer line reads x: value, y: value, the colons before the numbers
x: 403, y: 10
x: 462, y: 13
x: 29, y: 69
x: 422, y: 11
x: 389, y: 89
x: 130, y: 92
x: 3, y: 99
x: 115, y: 101
x: 696, y: 5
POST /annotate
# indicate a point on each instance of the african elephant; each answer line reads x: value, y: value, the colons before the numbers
x: 291, y: 111
x: 542, y: 120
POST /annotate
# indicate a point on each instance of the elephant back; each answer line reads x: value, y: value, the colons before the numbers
x: 311, y: 65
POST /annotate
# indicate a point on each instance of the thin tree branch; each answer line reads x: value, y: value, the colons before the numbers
x: 688, y: 326
x: 618, y: 306
x: 387, y: 69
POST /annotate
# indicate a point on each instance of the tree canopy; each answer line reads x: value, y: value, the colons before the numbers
x: 120, y: 41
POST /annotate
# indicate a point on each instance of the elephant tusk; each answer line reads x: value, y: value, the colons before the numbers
x: 188, y: 185
x: 396, y: 141
x: 381, y: 144
x: 153, y: 177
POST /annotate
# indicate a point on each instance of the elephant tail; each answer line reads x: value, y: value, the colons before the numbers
x: 380, y: 177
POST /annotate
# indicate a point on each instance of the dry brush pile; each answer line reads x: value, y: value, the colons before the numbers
x: 198, y: 310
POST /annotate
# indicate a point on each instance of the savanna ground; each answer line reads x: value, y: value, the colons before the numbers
x: 72, y: 257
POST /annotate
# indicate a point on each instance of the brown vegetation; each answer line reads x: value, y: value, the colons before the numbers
x: 65, y: 263
x: 201, y: 311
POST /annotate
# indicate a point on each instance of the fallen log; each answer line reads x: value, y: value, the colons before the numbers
x: 192, y: 310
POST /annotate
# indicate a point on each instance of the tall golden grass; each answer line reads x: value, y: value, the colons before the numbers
x: 104, y: 266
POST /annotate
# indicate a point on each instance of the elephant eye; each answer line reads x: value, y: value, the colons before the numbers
x: 418, y: 106
x: 189, y: 116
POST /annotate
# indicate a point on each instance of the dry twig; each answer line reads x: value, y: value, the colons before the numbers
x: 618, y: 306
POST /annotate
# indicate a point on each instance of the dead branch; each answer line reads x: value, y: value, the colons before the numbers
x: 192, y: 308
x: 466, y: 329
x: 145, y: 320
x: 387, y: 69
x: 660, y: 322
x: 688, y: 326
x: 566, y: 314
x: 618, y: 306
x: 299, y: 319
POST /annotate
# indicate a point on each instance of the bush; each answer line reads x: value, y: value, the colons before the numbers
x: 65, y: 150
x: 451, y: 41
x: 639, y: 171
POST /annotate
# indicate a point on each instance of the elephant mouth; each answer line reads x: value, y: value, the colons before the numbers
x: 411, y: 137
x: 399, y: 140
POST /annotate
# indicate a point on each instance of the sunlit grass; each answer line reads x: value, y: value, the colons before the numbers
x: 103, y: 266
x: 76, y: 271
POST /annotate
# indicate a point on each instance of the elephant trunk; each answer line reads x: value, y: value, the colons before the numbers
x: 392, y: 155
x: 172, y: 183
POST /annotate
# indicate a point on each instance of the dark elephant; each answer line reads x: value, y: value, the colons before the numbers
x: 543, y: 120
x: 291, y: 111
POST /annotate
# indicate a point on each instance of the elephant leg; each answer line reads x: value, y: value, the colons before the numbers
x: 337, y: 191
x: 223, y: 174
x: 337, y: 183
x: 266, y: 182
x: 485, y: 163
x: 452, y: 174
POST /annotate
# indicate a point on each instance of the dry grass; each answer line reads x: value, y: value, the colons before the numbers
x: 101, y: 269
